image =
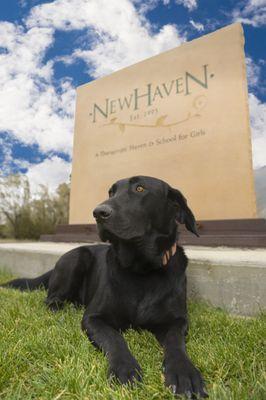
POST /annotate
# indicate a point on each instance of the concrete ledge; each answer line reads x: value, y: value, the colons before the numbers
x: 230, y: 278
x: 233, y: 279
x: 32, y: 259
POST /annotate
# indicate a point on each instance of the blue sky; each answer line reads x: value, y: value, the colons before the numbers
x: 48, y: 48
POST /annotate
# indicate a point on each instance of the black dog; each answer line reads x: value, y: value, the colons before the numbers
x: 138, y: 281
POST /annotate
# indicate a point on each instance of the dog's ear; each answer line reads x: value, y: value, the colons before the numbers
x: 183, y: 213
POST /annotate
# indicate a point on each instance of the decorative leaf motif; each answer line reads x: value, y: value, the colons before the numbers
x: 160, y: 120
x: 199, y: 102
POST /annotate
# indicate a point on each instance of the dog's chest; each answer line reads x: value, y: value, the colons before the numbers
x: 155, y: 309
x: 149, y: 301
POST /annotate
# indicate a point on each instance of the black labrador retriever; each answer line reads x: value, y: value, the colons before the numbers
x: 138, y: 280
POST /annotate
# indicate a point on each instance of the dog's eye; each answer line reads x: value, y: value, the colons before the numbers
x: 140, y: 189
x: 111, y: 194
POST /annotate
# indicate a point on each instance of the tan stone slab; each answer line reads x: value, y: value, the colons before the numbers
x: 181, y: 116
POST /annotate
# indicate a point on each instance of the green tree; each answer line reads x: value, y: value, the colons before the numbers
x: 27, y: 217
x: 61, y: 203
x: 14, y: 203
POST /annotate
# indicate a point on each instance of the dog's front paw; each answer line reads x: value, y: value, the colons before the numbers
x: 184, y: 379
x: 125, y: 370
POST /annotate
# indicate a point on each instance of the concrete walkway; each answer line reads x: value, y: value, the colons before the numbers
x: 234, y: 279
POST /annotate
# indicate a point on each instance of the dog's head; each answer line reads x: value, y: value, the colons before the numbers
x: 140, y: 207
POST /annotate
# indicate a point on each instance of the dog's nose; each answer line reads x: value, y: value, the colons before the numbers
x: 102, y: 212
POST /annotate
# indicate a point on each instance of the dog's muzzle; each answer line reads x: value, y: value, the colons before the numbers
x: 102, y: 212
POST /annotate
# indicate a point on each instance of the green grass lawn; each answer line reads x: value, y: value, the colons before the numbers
x: 46, y: 356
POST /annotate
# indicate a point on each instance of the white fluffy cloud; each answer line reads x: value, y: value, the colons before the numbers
x: 253, y: 73
x: 6, y: 154
x: 51, y: 172
x: 197, y: 25
x: 122, y: 36
x: 258, y: 128
x: 257, y: 110
x: 32, y: 109
x: 253, y: 13
x: 189, y: 4
x: 111, y: 55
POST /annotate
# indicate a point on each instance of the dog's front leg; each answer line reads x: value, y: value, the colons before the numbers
x: 122, y: 364
x: 180, y: 373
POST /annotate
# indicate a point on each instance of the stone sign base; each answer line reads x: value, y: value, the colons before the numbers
x: 233, y: 233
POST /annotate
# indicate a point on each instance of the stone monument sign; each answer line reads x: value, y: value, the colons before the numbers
x: 181, y: 116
